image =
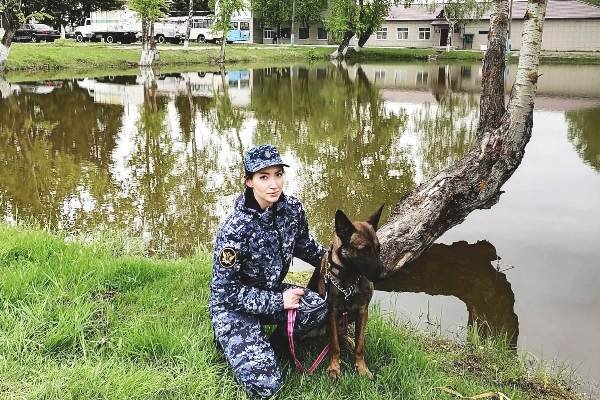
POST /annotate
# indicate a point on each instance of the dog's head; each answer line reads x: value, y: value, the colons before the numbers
x: 359, y: 246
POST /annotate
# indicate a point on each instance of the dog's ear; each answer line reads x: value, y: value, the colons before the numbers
x: 343, y: 227
x: 374, y: 219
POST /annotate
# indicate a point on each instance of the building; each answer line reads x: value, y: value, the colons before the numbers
x: 571, y: 25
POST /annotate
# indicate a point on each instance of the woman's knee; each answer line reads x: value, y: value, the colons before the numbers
x: 265, y: 386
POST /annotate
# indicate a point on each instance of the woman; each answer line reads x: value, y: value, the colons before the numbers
x: 254, y: 248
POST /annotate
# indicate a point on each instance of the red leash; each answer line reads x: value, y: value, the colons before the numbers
x: 290, y: 331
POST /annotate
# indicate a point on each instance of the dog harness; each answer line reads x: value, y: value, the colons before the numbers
x: 332, y: 277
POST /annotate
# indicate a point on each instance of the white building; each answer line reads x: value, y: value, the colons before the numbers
x: 571, y: 25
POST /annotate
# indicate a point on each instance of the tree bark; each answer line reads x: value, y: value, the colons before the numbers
x: 10, y: 21
x: 222, y: 53
x: 450, y: 30
x: 362, y: 39
x: 149, y: 52
x: 422, y: 216
x: 491, y: 103
x: 188, y: 25
x: 342, y: 49
x: 5, y: 88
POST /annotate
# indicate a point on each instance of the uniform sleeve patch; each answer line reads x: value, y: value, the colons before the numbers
x: 227, y: 257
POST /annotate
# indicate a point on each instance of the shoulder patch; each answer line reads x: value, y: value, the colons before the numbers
x: 227, y: 257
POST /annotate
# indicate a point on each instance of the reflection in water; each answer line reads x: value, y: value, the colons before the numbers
x: 339, y: 129
x: 584, y: 133
x: 446, y: 131
x: 467, y: 272
x: 158, y: 160
x: 55, y: 152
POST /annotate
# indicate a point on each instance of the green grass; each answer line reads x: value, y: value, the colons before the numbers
x: 84, y: 56
x: 91, y: 322
x: 72, y: 56
x: 406, y: 54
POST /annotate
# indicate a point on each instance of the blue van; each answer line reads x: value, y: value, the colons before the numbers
x: 240, y: 31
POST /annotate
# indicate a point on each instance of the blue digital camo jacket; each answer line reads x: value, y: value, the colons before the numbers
x: 253, y: 252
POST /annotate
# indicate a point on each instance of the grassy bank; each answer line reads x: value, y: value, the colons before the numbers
x: 84, y: 56
x: 87, y: 321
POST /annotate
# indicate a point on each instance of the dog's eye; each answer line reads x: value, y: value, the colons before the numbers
x: 361, y: 247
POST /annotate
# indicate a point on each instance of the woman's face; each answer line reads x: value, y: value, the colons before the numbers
x: 267, y: 185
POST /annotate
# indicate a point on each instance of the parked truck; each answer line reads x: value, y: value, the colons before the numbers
x: 112, y: 26
x: 167, y: 31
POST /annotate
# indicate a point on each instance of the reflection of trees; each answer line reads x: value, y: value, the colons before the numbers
x: 153, y: 166
x: 57, y: 151
x: 465, y: 271
x: 197, y: 204
x: 54, y: 148
x: 445, y: 131
x: 341, y: 133
x: 583, y: 133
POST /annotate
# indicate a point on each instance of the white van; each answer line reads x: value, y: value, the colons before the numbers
x: 201, y: 29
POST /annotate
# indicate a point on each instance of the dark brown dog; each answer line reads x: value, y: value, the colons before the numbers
x: 345, y: 278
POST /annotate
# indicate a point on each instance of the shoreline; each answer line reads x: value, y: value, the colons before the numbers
x: 73, y: 56
x: 101, y: 320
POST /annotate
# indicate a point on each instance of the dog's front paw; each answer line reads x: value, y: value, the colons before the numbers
x: 363, y: 370
x: 334, y: 372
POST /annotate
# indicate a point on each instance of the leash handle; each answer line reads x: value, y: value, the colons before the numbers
x: 290, y: 332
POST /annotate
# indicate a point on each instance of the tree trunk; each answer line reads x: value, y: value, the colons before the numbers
x: 188, y: 26
x: 364, y: 36
x: 422, y: 216
x: 450, y: 30
x: 5, y: 88
x: 149, y: 52
x: 148, y: 77
x: 342, y: 49
x: 10, y: 21
x: 362, y: 39
x: 491, y: 103
x: 222, y: 54
x: 4, y: 50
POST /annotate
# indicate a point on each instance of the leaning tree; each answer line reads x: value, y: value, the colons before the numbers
x: 360, y: 18
x: 474, y: 182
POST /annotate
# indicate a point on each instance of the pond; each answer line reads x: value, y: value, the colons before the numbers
x: 163, y: 163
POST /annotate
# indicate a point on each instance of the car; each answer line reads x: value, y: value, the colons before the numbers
x: 36, y: 33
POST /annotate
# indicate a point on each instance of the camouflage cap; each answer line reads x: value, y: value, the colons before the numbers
x: 260, y: 157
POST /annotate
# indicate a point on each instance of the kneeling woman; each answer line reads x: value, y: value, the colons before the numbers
x: 254, y: 248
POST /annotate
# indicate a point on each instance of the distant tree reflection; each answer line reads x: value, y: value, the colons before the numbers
x: 340, y: 131
x: 583, y: 132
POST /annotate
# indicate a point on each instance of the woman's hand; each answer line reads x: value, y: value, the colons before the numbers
x: 291, y: 298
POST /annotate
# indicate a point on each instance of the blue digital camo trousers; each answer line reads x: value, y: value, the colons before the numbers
x: 248, y: 350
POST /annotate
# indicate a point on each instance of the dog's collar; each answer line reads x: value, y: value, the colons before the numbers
x: 334, y: 277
